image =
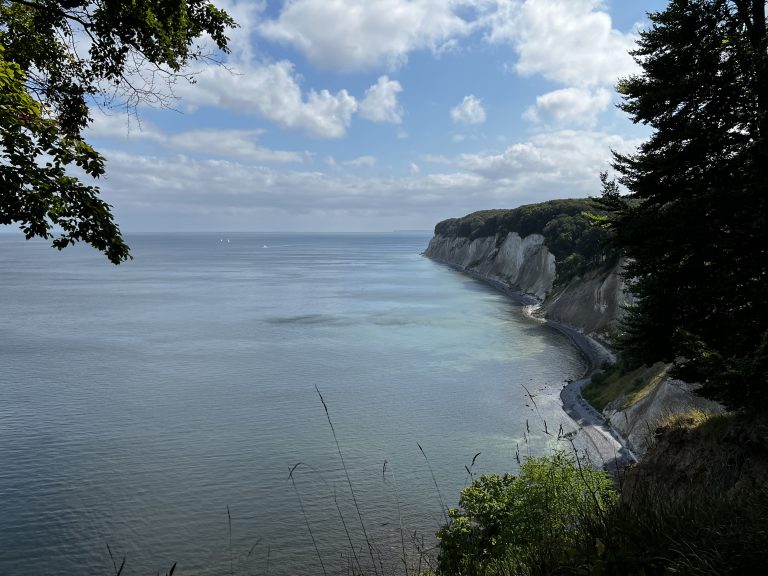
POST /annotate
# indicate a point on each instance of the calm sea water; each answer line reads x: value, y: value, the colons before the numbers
x: 157, y: 407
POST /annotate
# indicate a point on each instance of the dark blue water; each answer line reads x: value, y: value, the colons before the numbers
x: 139, y: 403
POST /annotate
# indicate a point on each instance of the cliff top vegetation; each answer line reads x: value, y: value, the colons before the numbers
x: 568, y: 232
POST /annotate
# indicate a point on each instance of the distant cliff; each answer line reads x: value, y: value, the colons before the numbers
x: 549, y: 251
x: 552, y: 253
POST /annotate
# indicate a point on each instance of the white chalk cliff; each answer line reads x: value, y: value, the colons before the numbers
x: 591, y: 303
x: 522, y: 264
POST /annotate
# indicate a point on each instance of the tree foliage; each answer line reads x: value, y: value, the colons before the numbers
x: 694, y: 226
x: 57, y: 58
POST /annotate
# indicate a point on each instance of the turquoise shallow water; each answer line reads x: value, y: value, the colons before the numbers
x: 137, y: 403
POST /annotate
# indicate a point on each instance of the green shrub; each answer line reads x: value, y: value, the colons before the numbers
x: 525, y: 524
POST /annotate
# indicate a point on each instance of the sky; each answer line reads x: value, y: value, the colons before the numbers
x: 378, y: 115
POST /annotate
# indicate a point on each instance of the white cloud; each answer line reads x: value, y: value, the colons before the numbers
x: 367, y: 161
x: 365, y: 34
x: 240, y: 144
x: 380, y: 103
x: 571, y: 42
x: 469, y: 111
x: 273, y: 91
x: 569, y: 106
x: 202, y: 193
x: 232, y: 144
x: 179, y: 186
x: 127, y: 126
x: 568, y: 41
x: 413, y: 168
x: 564, y: 162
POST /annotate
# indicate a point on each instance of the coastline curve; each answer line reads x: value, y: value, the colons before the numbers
x: 607, y: 443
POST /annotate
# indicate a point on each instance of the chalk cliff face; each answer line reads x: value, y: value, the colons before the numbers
x: 522, y: 264
x: 591, y: 303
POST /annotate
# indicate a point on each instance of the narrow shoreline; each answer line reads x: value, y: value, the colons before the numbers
x: 609, y: 446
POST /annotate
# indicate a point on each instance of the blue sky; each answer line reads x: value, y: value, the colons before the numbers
x: 378, y: 115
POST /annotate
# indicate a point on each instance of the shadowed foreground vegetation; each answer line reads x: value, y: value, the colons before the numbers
x: 697, y: 504
x: 530, y: 522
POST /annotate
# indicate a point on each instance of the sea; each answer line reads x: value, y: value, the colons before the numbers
x: 256, y: 403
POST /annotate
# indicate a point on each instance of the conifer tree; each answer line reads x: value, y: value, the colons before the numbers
x: 694, y: 224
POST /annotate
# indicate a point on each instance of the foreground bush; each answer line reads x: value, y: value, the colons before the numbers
x: 526, y: 524
x: 696, y: 504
